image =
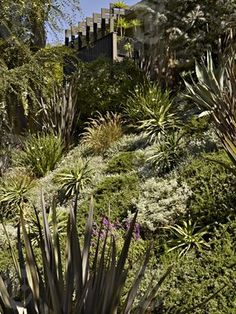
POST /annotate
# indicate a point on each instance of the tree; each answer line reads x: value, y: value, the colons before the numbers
x: 27, y: 66
x: 178, y: 32
x: 29, y: 18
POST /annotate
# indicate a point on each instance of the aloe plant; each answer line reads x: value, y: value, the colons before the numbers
x: 215, y: 94
x: 82, y: 285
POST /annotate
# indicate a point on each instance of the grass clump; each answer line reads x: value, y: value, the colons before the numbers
x: 101, y: 132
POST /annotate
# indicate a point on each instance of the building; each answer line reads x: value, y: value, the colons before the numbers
x: 103, y: 35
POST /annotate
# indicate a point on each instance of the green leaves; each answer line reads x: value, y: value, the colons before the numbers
x: 73, y: 179
x: 150, y: 110
x: 187, y: 237
x: 168, y: 152
x: 40, y: 153
x: 80, y: 285
x: 215, y: 94
x: 14, y: 191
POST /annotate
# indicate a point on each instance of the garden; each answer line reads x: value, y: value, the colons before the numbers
x: 118, y: 178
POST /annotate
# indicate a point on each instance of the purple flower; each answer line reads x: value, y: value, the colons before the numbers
x: 137, y: 231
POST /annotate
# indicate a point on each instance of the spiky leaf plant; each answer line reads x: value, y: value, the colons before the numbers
x: 187, y: 237
x: 14, y: 192
x: 40, y: 153
x: 168, y: 152
x: 151, y: 110
x: 73, y: 179
x: 83, y: 285
x: 215, y: 94
x: 60, y: 112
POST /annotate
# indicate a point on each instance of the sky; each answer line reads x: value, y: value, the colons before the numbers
x: 92, y: 6
x: 88, y: 7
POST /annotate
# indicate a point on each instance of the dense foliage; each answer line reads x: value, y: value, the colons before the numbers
x: 159, y: 165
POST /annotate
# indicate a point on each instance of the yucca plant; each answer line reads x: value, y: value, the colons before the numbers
x: 40, y: 153
x: 168, y: 152
x: 73, y: 179
x: 101, y: 132
x: 83, y: 285
x: 187, y: 237
x: 151, y: 110
x: 215, y: 94
x: 14, y: 192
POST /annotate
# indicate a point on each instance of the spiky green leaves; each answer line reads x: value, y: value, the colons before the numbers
x: 215, y: 94
x: 83, y: 285
x: 40, y: 153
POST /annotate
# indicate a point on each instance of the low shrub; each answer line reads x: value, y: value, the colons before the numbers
x: 161, y: 202
x: 213, y: 186
x: 123, y: 162
x: 40, y: 153
x: 128, y: 142
x: 194, y: 278
x: 103, y: 86
x: 114, y: 195
x: 101, y: 132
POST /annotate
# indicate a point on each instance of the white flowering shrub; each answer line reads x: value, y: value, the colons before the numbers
x: 207, y: 142
x: 129, y: 142
x: 161, y: 201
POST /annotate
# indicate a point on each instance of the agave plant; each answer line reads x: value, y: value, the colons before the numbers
x: 187, y: 237
x: 215, y: 94
x: 83, y: 285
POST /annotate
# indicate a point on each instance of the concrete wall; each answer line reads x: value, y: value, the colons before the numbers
x: 104, y: 47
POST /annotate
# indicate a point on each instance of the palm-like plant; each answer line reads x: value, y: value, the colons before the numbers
x: 119, y: 5
x: 215, y: 94
x: 73, y: 179
x: 168, y: 152
x: 151, y: 110
x: 14, y: 193
x: 188, y: 237
x: 84, y: 286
